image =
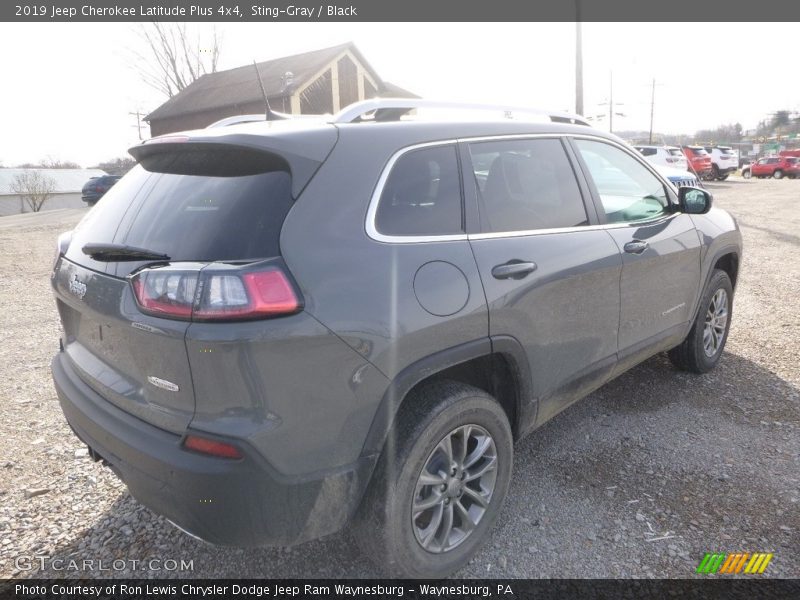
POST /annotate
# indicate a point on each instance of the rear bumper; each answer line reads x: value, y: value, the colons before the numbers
x: 227, y: 502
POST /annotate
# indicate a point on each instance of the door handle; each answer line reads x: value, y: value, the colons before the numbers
x: 636, y: 247
x: 513, y: 269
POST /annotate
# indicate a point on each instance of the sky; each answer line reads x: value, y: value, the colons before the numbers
x: 68, y: 88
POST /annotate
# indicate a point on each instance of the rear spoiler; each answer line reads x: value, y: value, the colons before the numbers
x: 235, y: 155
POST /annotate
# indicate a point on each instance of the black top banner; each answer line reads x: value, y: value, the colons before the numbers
x: 399, y: 10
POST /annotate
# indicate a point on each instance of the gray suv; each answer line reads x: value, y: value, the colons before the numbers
x: 275, y: 329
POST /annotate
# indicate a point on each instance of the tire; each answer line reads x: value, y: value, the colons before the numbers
x: 384, y: 527
x: 778, y: 174
x: 701, y: 350
x: 714, y: 172
x: 747, y: 174
x: 723, y: 177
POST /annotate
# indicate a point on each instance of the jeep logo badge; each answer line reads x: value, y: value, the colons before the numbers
x: 77, y: 287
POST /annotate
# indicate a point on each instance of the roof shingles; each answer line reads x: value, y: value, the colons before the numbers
x: 240, y: 86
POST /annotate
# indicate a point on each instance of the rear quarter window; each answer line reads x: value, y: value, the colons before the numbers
x: 422, y: 194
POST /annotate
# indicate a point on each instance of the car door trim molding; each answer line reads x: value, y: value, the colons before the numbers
x: 372, y: 210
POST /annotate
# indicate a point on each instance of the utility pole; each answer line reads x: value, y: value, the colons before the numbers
x: 652, y: 108
x: 138, y: 115
x: 578, y: 61
x: 610, y: 102
x: 611, y: 105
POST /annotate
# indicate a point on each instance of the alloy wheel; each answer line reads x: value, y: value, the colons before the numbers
x: 454, y: 488
x: 716, y: 323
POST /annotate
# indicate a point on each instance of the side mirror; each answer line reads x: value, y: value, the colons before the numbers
x: 694, y: 201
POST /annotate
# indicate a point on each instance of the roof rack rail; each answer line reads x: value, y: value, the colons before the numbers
x: 237, y: 119
x: 257, y: 118
x: 391, y: 109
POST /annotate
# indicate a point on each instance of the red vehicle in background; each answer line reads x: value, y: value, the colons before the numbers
x: 795, y: 153
x: 773, y: 166
x: 699, y: 160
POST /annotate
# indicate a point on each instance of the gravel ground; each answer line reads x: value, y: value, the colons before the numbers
x: 638, y: 480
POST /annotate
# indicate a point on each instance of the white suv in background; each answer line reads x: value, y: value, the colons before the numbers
x: 724, y: 161
x: 668, y: 156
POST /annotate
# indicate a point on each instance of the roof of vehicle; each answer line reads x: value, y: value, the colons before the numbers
x: 455, y: 120
x: 673, y: 172
x: 304, y: 143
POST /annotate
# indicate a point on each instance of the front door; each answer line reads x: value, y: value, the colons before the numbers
x: 660, y: 249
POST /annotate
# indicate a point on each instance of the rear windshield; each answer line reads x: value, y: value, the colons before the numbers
x: 675, y: 151
x: 190, y: 217
x: 698, y: 151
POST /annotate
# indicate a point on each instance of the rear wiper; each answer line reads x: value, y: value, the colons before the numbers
x: 120, y: 252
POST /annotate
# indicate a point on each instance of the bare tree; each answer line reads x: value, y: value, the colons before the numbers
x: 172, y: 60
x: 50, y: 163
x: 117, y: 166
x: 34, y: 187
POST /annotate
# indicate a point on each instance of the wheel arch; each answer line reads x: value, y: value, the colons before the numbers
x: 726, y: 259
x: 497, y: 365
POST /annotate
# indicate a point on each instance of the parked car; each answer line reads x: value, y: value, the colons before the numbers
x: 669, y: 156
x: 96, y: 187
x: 699, y: 160
x: 679, y: 177
x: 724, y: 161
x: 271, y: 330
x: 773, y: 166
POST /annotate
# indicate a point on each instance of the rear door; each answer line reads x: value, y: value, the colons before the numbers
x: 660, y: 247
x: 139, y: 362
x: 551, y: 279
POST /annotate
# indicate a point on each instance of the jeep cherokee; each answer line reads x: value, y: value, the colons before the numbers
x: 275, y: 329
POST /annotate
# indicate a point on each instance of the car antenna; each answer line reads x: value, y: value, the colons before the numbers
x: 270, y: 114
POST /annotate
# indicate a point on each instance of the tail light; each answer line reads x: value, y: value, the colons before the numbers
x: 203, y: 294
x: 62, y: 244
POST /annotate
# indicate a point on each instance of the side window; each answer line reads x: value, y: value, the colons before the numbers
x: 627, y: 189
x: 525, y: 185
x: 648, y: 151
x: 422, y: 195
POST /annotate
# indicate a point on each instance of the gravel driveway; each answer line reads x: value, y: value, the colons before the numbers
x: 638, y: 480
